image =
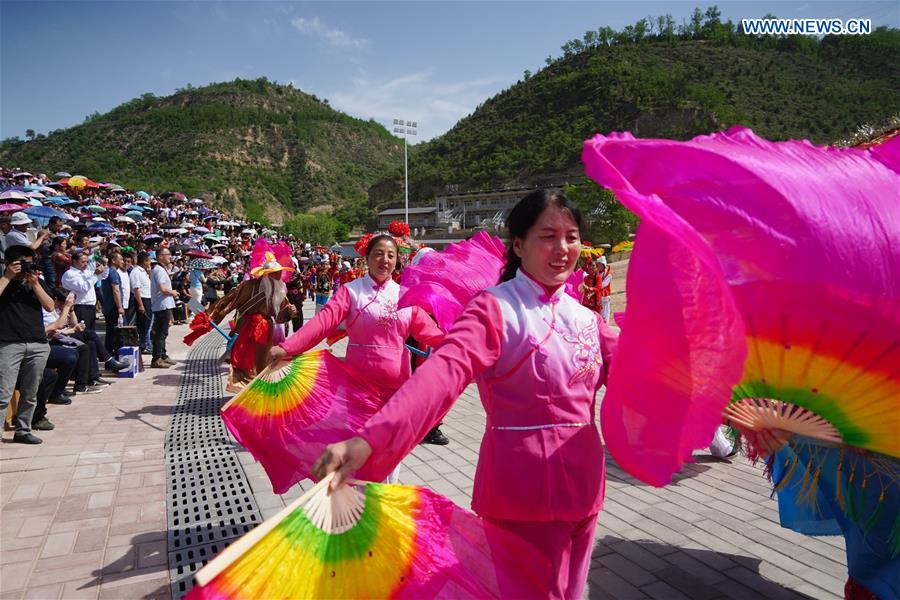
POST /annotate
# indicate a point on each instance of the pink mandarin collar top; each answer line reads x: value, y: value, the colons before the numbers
x: 538, y: 359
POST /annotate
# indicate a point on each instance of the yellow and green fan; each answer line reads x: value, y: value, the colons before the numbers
x: 370, y: 540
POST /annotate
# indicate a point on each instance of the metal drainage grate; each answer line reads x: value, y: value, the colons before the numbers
x: 209, y: 502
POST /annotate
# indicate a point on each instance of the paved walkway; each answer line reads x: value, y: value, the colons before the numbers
x: 83, y: 515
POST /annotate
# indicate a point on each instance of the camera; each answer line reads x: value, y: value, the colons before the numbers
x: 29, y: 267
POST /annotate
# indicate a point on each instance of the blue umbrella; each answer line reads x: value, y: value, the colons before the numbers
x: 43, y: 212
x: 99, y: 226
x: 61, y: 200
x: 143, y: 194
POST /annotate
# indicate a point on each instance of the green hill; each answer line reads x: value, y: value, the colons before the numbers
x: 676, y: 84
x: 251, y: 147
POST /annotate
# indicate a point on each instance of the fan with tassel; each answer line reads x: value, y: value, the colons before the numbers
x: 368, y: 540
x: 796, y: 250
x: 288, y: 414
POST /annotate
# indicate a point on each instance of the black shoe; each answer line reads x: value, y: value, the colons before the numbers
x: 87, y: 389
x: 436, y: 437
x: 61, y: 399
x: 8, y: 427
x: 115, y: 365
x: 43, y: 425
x: 159, y: 364
x: 27, y: 438
x: 99, y: 382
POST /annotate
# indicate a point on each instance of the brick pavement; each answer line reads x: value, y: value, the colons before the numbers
x: 83, y: 515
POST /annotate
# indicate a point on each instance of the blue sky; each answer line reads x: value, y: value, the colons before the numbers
x: 432, y: 62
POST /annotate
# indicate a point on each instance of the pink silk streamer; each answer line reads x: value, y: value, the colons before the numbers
x: 442, y: 283
x: 730, y: 223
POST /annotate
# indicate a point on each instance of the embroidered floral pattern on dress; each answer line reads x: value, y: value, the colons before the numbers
x: 389, y: 314
x: 587, y: 356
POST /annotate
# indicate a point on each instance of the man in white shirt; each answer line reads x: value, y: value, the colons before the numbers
x: 17, y: 236
x: 81, y: 280
x: 140, y: 287
x: 162, y: 300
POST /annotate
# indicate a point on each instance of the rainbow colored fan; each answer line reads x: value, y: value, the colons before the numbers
x: 773, y: 270
x: 374, y: 541
x: 288, y: 414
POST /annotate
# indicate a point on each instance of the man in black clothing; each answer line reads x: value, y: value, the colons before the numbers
x: 23, y: 344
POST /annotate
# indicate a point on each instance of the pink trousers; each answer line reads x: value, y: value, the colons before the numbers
x: 566, y: 544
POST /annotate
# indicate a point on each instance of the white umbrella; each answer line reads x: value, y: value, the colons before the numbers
x: 37, y: 195
x: 197, y: 201
x: 124, y: 219
x: 98, y: 219
x: 249, y: 231
x: 200, y: 229
x: 13, y: 195
x: 219, y: 260
x: 22, y: 174
x: 62, y: 174
x: 188, y: 225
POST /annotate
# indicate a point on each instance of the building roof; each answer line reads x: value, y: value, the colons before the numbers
x: 413, y: 211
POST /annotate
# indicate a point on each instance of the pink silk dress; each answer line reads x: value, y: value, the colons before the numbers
x: 538, y: 360
x: 376, y: 329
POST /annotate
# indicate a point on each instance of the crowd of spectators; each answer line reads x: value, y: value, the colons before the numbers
x: 74, y: 251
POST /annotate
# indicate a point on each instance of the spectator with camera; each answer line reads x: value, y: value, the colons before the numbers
x: 23, y: 343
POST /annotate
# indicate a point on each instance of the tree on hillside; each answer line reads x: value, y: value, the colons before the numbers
x: 29, y: 133
x: 605, y: 219
x: 316, y: 229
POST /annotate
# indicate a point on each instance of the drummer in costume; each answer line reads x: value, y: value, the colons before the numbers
x: 538, y: 358
x: 367, y: 308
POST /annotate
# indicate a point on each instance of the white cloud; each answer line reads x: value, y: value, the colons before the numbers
x: 436, y: 106
x: 332, y: 36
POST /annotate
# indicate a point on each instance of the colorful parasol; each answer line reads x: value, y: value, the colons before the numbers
x: 287, y: 415
x: 374, y: 541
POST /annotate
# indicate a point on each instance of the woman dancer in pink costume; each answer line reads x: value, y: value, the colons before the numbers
x: 538, y: 358
x: 376, y: 328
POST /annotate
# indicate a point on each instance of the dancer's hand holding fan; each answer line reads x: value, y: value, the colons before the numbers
x: 374, y: 541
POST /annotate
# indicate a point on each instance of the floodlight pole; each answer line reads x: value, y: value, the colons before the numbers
x: 405, y: 128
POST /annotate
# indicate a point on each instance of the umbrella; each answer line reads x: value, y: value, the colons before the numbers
x: 36, y: 195
x: 170, y: 226
x: 75, y: 182
x: 219, y: 259
x: 152, y: 236
x: 61, y: 200
x: 142, y: 194
x: 196, y: 201
x: 210, y: 236
x: 10, y: 207
x: 200, y: 263
x: 13, y: 195
x: 124, y: 219
x: 95, y: 208
x: 98, y: 219
x: 248, y: 231
x: 136, y: 214
x: 34, y: 202
x: 210, y: 217
x: 142, y: 202
x: 62, y: 174
x: 191, y: 212
x: 22, y: 174
x: 218, y: 246
x: 101, y: 227
x: 187, y: 225
x: 44, y: 212
x: 198, y: 254
x: 200, y: 229
x: 113, y: 207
